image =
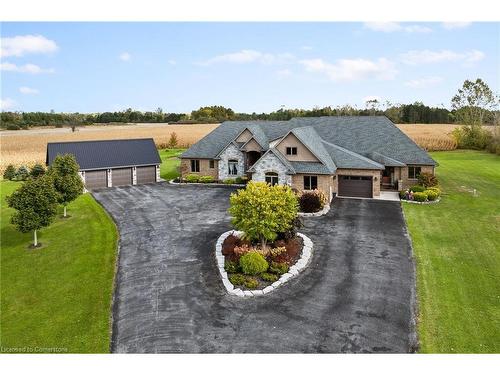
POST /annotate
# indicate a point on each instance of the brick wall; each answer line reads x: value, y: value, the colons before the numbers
x: 205, y: 169
x: 402, y: 174
x: 324, y: 182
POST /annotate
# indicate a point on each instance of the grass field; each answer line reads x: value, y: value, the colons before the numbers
x: 29, y: 146
x: 457, y: 249
x: 170, y: 163
x: 58, y: 297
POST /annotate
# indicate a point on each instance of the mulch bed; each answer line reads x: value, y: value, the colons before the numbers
x: 291, y: 256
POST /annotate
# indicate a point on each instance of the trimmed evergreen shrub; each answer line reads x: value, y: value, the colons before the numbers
x: 206, y: 179
x: 271, y: 277
x: 9, y: 173
x: 251, y: 283
x: 435, y: 189
x: 192, y: 178
x: 237, y: 279
x: 22, y: 173
x: 420, y: 197
x: 229, y: 181
x: 278, y: 268
x: 253, y: 263
x: 431, y: 195
x: 37, y: 171
x: 417, y: 189
x: 231, y: 267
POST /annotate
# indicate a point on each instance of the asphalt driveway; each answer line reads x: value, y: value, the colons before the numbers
x: 357, y: 295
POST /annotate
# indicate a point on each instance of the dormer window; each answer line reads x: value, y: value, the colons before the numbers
x: 291, y: 150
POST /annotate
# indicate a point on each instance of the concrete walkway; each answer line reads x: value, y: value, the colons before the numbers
x: 356, y: 295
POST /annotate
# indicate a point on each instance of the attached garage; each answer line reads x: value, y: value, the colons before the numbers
x: 96, y: 179
x: 146, y: 175
x: 355, y: 186
x: 121, y: 176
x: 111, y: 162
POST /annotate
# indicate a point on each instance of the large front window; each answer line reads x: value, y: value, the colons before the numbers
x: 232, y: 167
x: 195, y: 165
x: 310, y: 182
x: 272, y: 178
x: 413, y: 172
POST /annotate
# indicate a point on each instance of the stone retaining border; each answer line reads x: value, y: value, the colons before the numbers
x: 204, y: 183
x: 322, y: 212
x: 292, y: 272
x: 428, y: 202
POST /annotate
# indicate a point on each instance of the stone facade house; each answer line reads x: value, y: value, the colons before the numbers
x: 356, y: 156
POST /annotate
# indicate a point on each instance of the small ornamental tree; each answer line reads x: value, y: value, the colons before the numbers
x: 69, y: 185
x: 9, y: 173
x: 22, y: 173
x: 173, y: 140
x: 37, y: 171
x: 261, y: 211
x: 35, y: 202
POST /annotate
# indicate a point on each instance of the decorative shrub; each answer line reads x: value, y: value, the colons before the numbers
x: 311, y: 201
x: 420, y: 197
x: 9, y: 173
x: 237, y: 279
x: 262, y: 211
x: 231, y: 267
x: 277, y: 251
x: 417, y: 189
x: 22, y: 173
x: 243, y: 249
x: 229, y: 181
x: 206, y: 179
x: 292, y: 231
x: 431, y: 195
x: 251, y: 283
x: 241, y: 180
x: 37, y: 171
x: 435, y: 189
x: 253, y: 263
x: 192, y: 178
x: 278, y: 268
x: 427, y: 179
x: 271, y: 277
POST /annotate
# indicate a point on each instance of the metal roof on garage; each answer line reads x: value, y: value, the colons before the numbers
x: 107, y: 153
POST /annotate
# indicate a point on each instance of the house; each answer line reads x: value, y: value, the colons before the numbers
x: 353, y: 156
x: 111, y: 162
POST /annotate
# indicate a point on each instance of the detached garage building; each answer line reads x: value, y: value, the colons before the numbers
x: 111, y: 162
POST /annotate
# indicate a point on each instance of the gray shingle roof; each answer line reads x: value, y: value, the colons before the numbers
x: 107, y: 154
x: 385, y: 160
x: 344, y: 158
x: 310, y: 167
x: 363, y: 135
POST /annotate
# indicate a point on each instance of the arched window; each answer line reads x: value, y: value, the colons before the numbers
x: 272, y: 178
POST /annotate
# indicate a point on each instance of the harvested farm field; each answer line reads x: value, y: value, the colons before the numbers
x: 28, y: 147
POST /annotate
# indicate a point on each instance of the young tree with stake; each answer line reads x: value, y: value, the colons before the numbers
x: 67, y: 182
x: 35, y: 202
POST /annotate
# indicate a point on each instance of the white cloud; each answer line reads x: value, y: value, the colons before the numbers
x: 26, y: 68
x: 423, y: 82
x: 172, y: 62
x: 427, y: 57
x: 248, y: 56
x: 390, y: 27
x: 455, y: 25
x: 25, y: 44
x: 125, y: 56
x: 7, y: 104
x: 352, y: 69
x: 283, y: 73
x: 28, y: 90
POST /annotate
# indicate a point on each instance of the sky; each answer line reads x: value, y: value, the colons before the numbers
x: 249, y: 67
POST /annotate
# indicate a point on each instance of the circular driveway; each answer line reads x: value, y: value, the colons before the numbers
x: 357, y: 294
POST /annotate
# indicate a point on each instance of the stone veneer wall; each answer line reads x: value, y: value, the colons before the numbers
x: 205, y: 169
x: 231, y: 152
x: 270, y: 163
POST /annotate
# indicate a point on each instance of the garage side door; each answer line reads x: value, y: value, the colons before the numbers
x: 146, y: 174
x: 121, y: 176
x: 95, y: 179
x: 355, y: 186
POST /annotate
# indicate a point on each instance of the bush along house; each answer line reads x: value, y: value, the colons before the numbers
x: 353, y: 156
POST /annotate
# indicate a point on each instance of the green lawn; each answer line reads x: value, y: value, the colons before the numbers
x: 58, y: 296
x: 457, y: 248
x: 170, y: 163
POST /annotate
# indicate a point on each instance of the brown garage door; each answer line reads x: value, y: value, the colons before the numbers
x: 146, y: 174
x: 355, y: 186
x: 121, y: 176
x: 95, y: 179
